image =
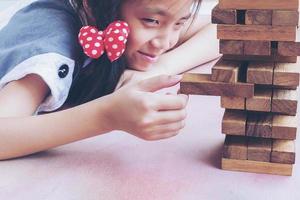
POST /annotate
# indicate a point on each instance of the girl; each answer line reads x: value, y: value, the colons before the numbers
x: 42, y: 61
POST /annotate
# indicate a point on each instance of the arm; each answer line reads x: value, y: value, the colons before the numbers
x: 197, y: 46
x: 148, y: 115
x: 22, y: 134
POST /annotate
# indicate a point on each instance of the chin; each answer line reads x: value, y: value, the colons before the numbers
x: 142, y: 68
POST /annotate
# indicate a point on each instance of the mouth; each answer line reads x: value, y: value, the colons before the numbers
x: 148, y: 57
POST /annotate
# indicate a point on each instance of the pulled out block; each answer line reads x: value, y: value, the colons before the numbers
x: 201, y: 84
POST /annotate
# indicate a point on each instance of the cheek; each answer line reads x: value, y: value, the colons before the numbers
x: 136, y: 40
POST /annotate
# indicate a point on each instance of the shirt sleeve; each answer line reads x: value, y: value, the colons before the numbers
x: 41, y: 39
x: 56, y: 70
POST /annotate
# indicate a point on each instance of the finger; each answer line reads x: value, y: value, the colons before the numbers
x: 158, y: 82
x: 167, y: 117
x: 167, y: 128
x: 163, y: 136
x: 171, y: 102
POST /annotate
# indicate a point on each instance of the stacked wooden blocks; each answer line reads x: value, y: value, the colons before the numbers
x: 257, y: 78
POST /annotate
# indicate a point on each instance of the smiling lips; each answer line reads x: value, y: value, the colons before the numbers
x: 148, y: 57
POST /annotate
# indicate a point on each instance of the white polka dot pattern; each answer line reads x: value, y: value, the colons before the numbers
x: 112, y: 40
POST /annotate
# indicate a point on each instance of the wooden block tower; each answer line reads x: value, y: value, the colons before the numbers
x: 257, y: 78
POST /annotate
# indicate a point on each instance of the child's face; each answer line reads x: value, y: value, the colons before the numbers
x: 155, y: 27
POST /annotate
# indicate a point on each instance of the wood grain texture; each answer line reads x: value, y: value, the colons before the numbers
x: 285, y: 101
x: 283, y: 151
x: 201, y: 84
x: 260, y: 72
x: 237, y: 103
x: 262, y: 48
x: 289, y: 48
x: 286, y: 74
x: 258, y: 17
x: 257, y: 167
x: 259, y: 149
x: 284, y: 127
x: 259, y: 4
x: 233, y: 47
x: 285, y: 18
x: 235, y: 147
x: 273, y: 58
x: 261, y: 101
x: 226, y: 71
x: 259, y: 125
x: 256, y: 32
x: 222, y: 16
x: 234, y: 122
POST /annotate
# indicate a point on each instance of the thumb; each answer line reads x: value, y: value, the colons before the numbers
x: 159, y: 82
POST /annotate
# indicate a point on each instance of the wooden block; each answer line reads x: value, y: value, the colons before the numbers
x: 286, y: 74
x: 291, y: 48
x: 284, y: 127
x: 259, y: 125
x: 235, y: 147
x: 273, y: 58
x: 261, y: 101
x: 201, y: 84
x: 233, y: 47
x: 234, y: 122
x: 259, y: 149
x: 283, y: 151
x: 285, y: 18
x: 226, y: 71
x: 262, y: 48
x: 257, y: 167
x: 259, y: 4
x: 256, y: 32
x: 285, y: 101
x: 260, y: 72
x: 222, y: 16
x: 237, y: 103
x: 258, y: 17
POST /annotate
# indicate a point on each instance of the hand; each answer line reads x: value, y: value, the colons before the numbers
x: 137, y: 109
x: 132, y: 76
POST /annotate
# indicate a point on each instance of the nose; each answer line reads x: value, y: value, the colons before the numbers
x: 164, y: 40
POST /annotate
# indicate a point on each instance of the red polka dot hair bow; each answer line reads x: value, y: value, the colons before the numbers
x: 112, y: 40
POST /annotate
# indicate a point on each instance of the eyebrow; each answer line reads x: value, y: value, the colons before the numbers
x: 164, y: 13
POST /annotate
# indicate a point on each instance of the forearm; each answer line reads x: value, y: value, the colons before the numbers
x: 199, y: 49
x: 26, y: 135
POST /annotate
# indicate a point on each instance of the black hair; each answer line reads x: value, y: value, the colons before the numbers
x: 101, y: 76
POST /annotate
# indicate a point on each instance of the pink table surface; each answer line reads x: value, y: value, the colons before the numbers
x: 120, y: 166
